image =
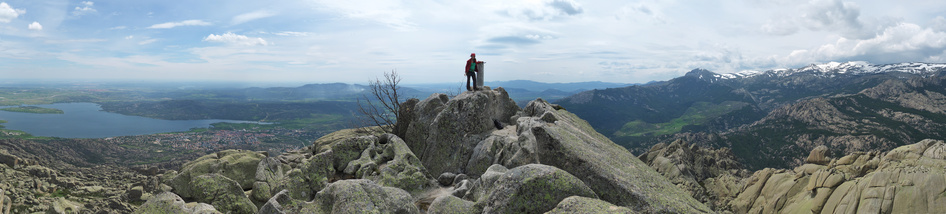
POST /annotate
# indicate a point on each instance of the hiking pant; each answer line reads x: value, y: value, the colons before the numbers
x: 468, y: 76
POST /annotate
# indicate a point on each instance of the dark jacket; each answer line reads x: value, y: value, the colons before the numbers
x: 469, y: 63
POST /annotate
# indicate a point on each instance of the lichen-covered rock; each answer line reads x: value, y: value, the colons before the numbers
x: 449, y: 204
x: 223, y: 193
x: 616, y: 175
x: 459, y: 136
x: 171, y: 203
x: 585, y: 205
x: 444, y: 131
x: 274, y: 204
x: 356, y: 196
x: 309, y: 178
x: 63, y: 205
x: 389, y: 162
x: 238, y: 165
x: 270, y: 179
x: 532, y: 188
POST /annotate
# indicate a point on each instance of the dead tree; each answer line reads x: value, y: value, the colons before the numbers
x: 380, y: 106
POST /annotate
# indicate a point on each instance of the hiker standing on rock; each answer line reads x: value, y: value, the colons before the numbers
x: 470, y: 71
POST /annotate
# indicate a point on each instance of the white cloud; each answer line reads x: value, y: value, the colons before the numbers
x: 35, y: 26
x: 291, y: 33
x: 246, y: 17
x: 84, y: 8
x: 385, y: 12
x: 508, y: 35
x: 900, y: 43
x: 168, y: 25
x: 7, y: 13
x: 642, y: 11
x: 148, y: 41
x: 118, y: 28
x: 782, y: 27
x: 938, y: 24
x: 235, y: 39
x: 545, y: 10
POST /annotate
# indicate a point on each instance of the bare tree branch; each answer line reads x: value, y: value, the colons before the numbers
x: 382, y: 107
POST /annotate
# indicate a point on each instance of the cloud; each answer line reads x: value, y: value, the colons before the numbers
x: 900, y: 43
x: 246, y: 17
x: 147, y: 41
x: 7, y: 13
x: 168, y: 25
x: 642, y: 11
x: 834, y: 15
x: 502, y: 36
x: 35, y: 26
x: 84, y: 8
x: 291, y: 33
x: 386, y: 12
x: 782, y: 27
x: 234, y: 39
x: 938, y: 23
x: 545, y: 10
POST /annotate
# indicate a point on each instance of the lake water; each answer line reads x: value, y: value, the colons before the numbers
x: 87, y: 120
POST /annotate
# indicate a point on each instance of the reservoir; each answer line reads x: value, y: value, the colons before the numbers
x: 87, y: 120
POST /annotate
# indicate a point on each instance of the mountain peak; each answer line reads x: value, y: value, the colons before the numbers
x: 699, y: 72
x: 703, y: 74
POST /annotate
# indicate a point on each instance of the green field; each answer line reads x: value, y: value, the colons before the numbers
x: 33, y: 109
x: 698, y: 114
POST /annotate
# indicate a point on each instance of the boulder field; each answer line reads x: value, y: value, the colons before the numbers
x: 907, y: 179
x: 477, y: 152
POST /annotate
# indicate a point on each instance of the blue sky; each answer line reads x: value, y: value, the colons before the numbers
x: 427, y: 41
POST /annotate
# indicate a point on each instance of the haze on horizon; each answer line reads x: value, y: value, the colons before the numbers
x: 428, y: 41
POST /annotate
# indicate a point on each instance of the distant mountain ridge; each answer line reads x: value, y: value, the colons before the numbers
x: 742, y: 110
x: 837, y: 68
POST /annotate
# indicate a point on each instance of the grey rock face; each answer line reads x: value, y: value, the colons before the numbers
x: 457, y: 135
x: 584, y: 205
x: 445, y: 131
x: 532, y: 188
x: 274, y: 205
x: 217, y: 190
x: 168, y: 202
x: 357, y: 196
x: 611, y: 171
x: 237, y: 165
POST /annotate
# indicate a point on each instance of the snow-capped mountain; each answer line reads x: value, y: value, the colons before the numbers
x: 836, y: 68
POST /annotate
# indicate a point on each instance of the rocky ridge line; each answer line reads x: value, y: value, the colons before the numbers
x: 490, y: 155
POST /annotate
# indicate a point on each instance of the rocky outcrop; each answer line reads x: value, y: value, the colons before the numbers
x: 532, y: 188
x: 711, y: 176
x: 29, y: 184
x: 908, y: 179
x: 444, y: 132
x: 459, y: 136
x: 584, y: 205
x: 357, y: 196
x: 237, y: 165
x: 168, y: 202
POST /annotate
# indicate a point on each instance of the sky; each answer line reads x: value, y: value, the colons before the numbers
x: 428, y: 41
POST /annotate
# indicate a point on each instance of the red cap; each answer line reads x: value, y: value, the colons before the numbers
x: 473, y: 55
